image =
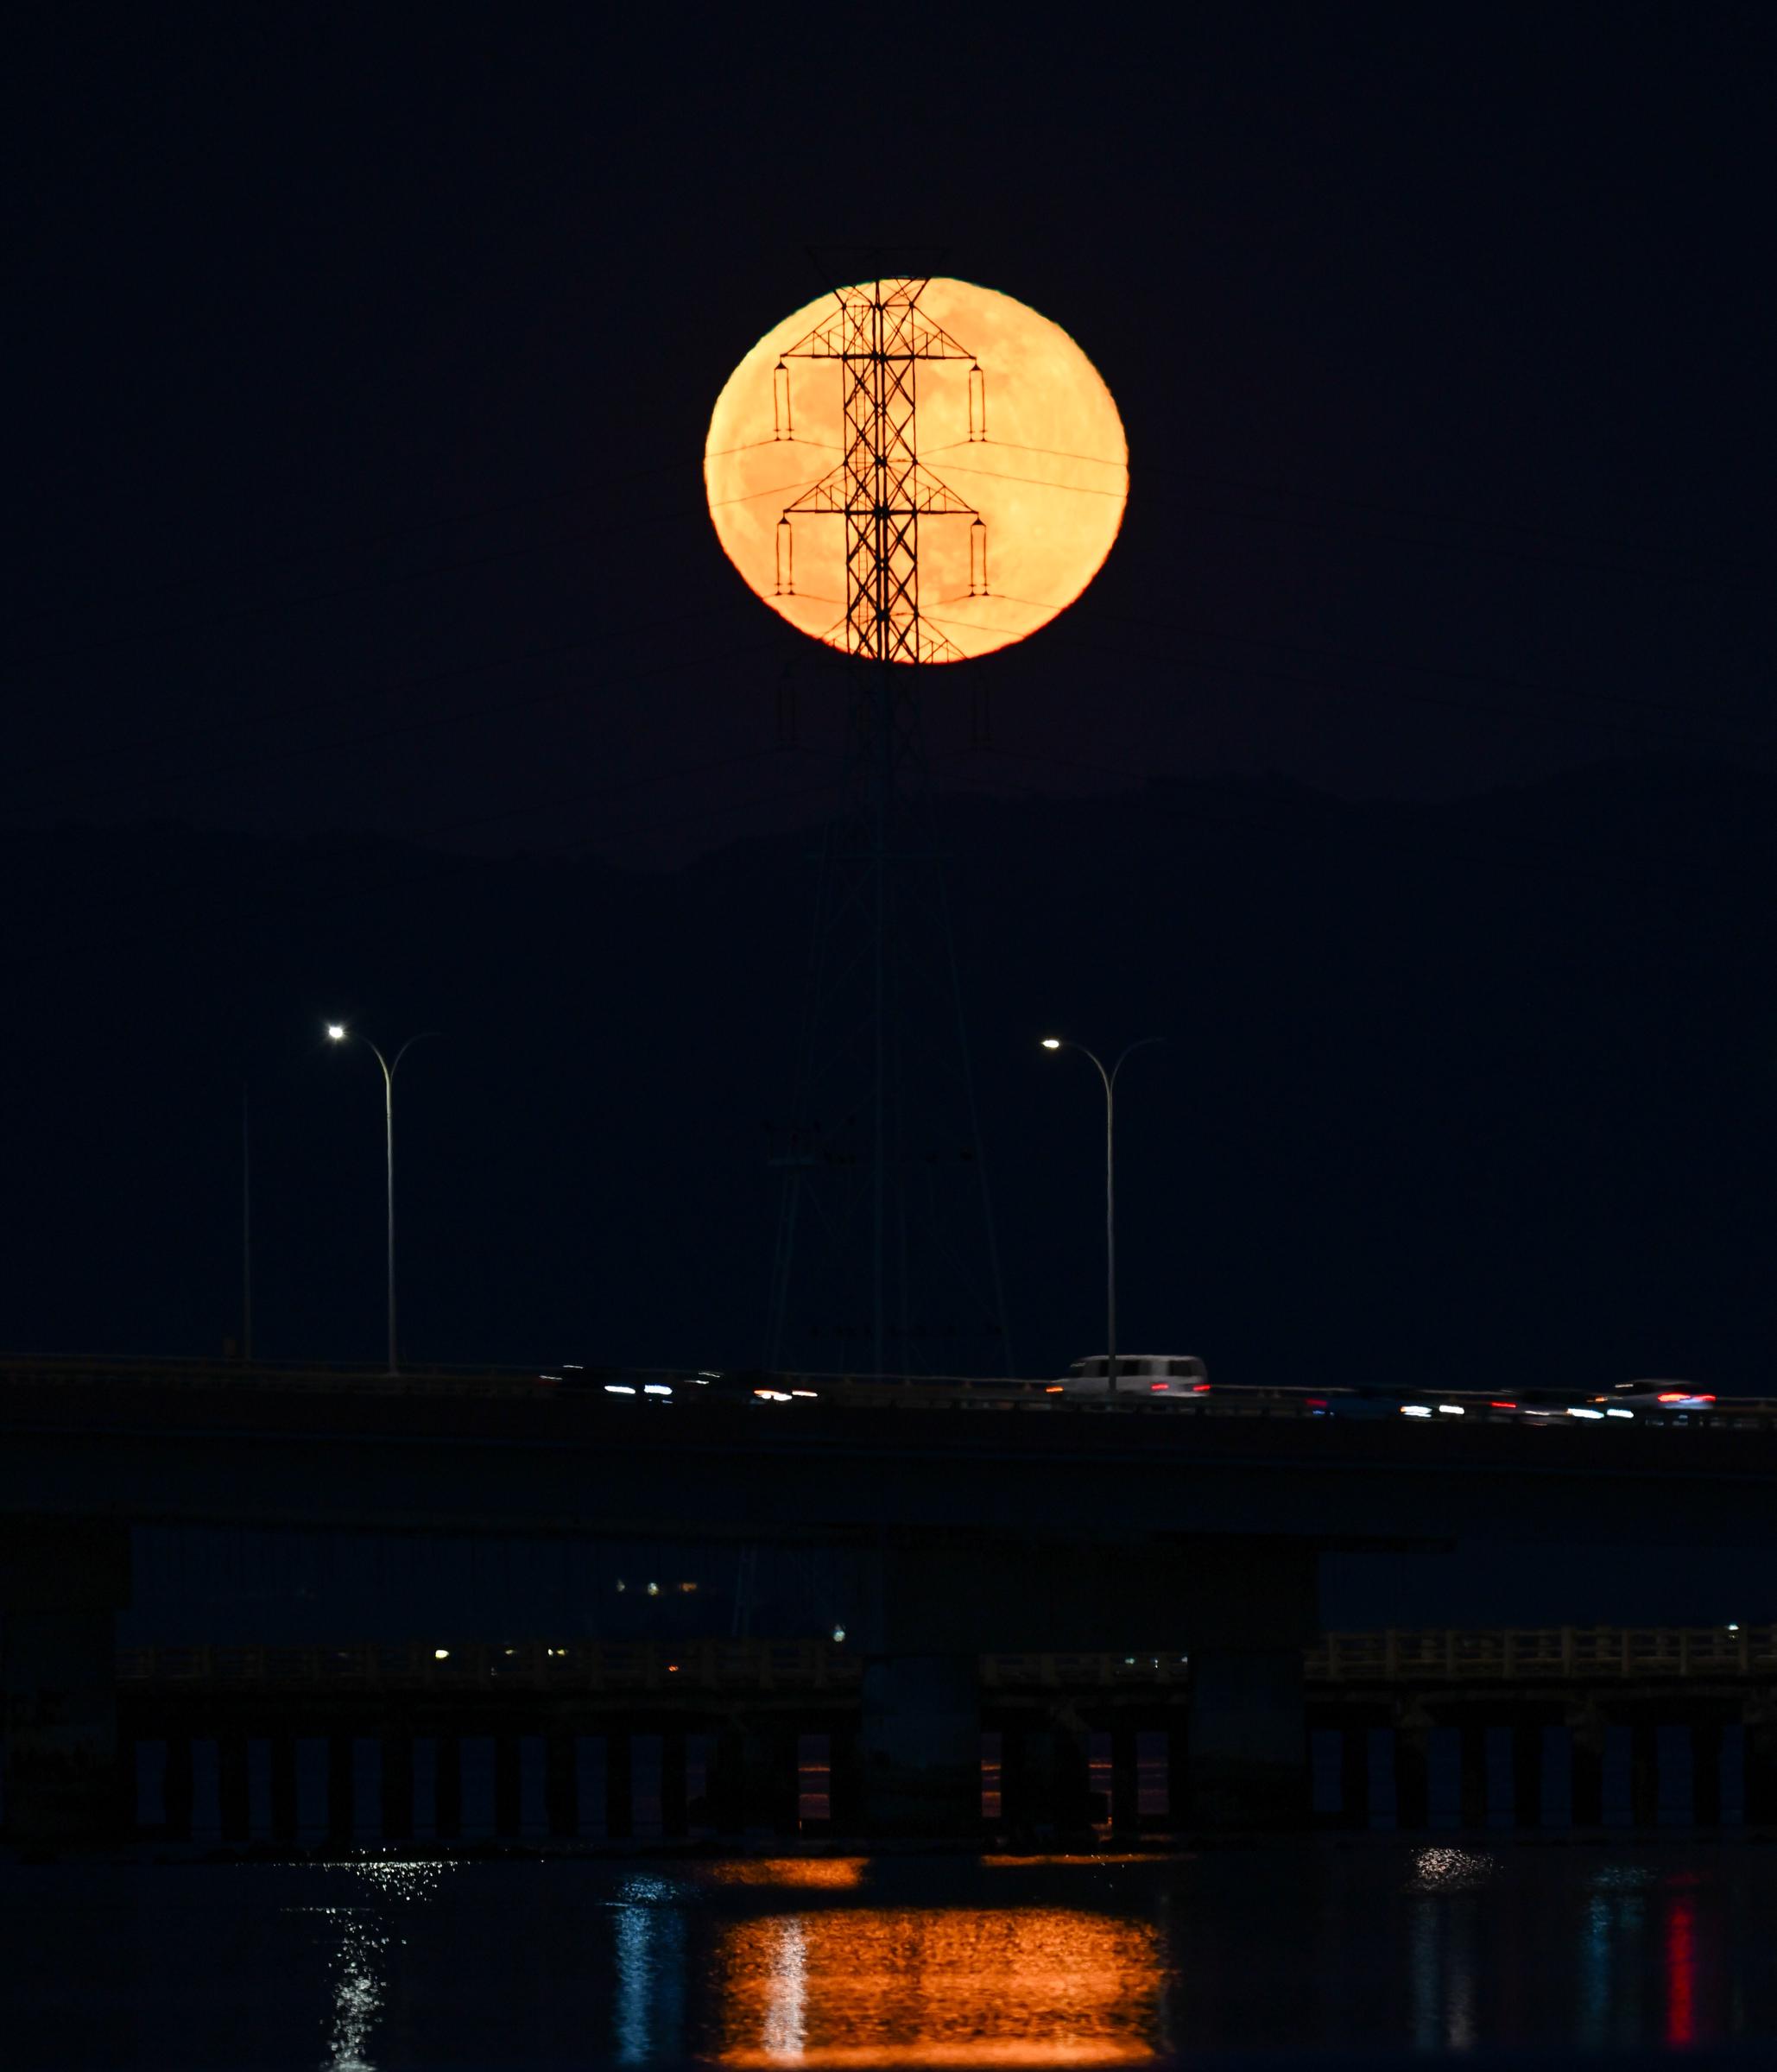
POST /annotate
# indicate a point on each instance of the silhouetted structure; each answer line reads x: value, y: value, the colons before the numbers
x: 885, y: 1257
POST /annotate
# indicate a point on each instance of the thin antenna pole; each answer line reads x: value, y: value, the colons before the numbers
x: 389, y: 1138
x: 884, y: 733
x: 246, y: 1228
x: 861, y: 990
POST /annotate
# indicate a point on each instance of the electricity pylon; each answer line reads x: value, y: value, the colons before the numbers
x: 886, y: 1260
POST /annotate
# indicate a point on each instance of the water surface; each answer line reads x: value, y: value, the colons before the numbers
x: 384, y: 1964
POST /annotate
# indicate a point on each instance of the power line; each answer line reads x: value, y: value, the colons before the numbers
x: 1418, y: 513
x: 153, y: 898
x: 1661, y: 878
x: 1540, y: 687
x: 1493, y: 713
x: 425, y: 723
x: 388, y: 536
x: 239, y: 615
x: 144, y: 743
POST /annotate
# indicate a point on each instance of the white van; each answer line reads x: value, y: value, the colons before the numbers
x: 1139, y: 1375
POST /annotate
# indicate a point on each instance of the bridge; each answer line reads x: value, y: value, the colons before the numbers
x: 993, y: 1519
x: 583, y: 1744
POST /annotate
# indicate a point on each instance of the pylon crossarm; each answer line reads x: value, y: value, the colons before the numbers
x: 918, y: 493
x: 911, y: 334
x: 934, y: 648
x: 934, y: 498
x: 828, y: 495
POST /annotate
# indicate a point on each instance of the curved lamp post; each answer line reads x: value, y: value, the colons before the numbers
x: 1059, y: 1042
x: 338, y: 1033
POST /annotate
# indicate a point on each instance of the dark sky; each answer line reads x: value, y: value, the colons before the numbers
x: 360, y: 367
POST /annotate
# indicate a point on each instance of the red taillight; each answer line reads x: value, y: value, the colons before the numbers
x: 1501, y: 1405
x: 1671, y: 1395
x: 1158, y: 1387
x: 1199, y: 1388
x: 1703, y: 1398
x: 1315, y: 1402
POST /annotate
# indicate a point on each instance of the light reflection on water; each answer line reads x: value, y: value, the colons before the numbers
x: 834, y: 1963
x: 952, y: 1985
x: 360, y: 1961
x: 650, y: 1963
x: 829, y: 1874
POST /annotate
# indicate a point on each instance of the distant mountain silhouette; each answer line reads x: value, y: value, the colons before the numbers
x: 1466, y: 1092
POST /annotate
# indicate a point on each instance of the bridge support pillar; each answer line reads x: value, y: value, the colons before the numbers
x: 921, y: 1748
x: 61, y: 1583
x: 1246, y: 1610
x: 1248, y: 1739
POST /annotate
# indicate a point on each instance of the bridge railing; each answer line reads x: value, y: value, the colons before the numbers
x: 1550, y: 1653
x: 1547, y: 1654
x: 573, y: 1664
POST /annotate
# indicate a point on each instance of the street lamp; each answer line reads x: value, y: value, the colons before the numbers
x: 338, y: 1033
x: 1057, y: 1043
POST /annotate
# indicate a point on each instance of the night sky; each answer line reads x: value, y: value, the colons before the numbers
x: 359, y: 371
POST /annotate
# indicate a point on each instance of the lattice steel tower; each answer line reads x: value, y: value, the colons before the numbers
x: 886, y: 1260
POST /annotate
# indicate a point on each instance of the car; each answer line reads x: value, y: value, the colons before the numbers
x: 1137, y: 1374
x: 1660, y: 1395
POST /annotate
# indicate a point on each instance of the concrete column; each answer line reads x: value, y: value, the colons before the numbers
x: 1644, y: 1774
x: 206, y: 1792
x: 232, y: 1788
x: 1707, y: 1742
x: 559, y: 1782
x: 1354, y: 1775
x: 674, y: 1822
x: 1043, y: 1782
x: 1675, y: 1775
x: 61, y: 1583
x: 367, y: 1822
x: 1245, y: 1610
x: 1732, y: 1774
x: 1444, y: 1782
x: 1502, y: 1779
x: 768, y: 1753
x: 845, y: 1782
x: 1177, y: 1769
x: 1761, y: 1767
x: 1241, y: 1607
x: 619, y: 1788
x: 398, y: 1812
x: 312, y: 1793
x: 1412, y: 1752
x: 724, y: 1792
x: 1384, y: 1805
x: 533, y: 1787
x: 151, y: 1787
x: 1527, y: 1773
x: 1587, y: 1728
x: 589, y: 1793
x: 1474, y: 1773
x: 423, y: 1764
x: 1125, y: 1784
x: 1248, y: 1739
x: 1555, y: 1800
x: 921, y: 1744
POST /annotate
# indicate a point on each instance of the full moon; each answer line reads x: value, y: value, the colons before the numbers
x: 1033, y: 443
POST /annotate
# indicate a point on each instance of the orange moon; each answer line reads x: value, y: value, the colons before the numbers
x: 1049, y: 479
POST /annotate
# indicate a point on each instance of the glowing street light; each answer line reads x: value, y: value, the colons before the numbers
x: 1059, y: 1042
x: 338, y: 1033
